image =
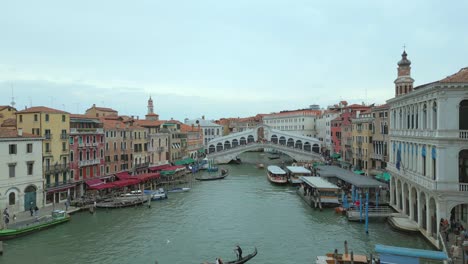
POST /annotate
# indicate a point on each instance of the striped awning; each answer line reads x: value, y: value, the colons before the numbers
x: 176, y: 145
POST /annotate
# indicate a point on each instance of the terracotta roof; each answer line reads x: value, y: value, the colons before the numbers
x: 82, y: 116
x: 13, y: 133
x: 145, y: 122
x: 41, y: 109
x: 104, y: 109
x: 6, y: 106
x: 187, y: 128
x: 459, y: 77
x: 384, y: 106
x: 303, y: 112
x: 9, y: 122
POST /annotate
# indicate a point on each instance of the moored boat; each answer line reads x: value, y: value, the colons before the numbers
x: 156, y: 195
x: 276, y: 175
x: 260, y: 166
x: 120, y: 202
x: 295, y: 172
x: 179, y: 189
x: 35, y: 224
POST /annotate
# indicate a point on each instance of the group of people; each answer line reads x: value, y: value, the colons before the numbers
x: 34, y: 210
x: 6, y: 216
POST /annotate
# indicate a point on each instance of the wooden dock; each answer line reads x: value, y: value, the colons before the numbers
x: 374, y: 212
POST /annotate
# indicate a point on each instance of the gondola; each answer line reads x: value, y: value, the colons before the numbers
x: 243, y: 260
x: 224, y: 174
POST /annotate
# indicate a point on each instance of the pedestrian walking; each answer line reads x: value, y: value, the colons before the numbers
x: 31, y: 210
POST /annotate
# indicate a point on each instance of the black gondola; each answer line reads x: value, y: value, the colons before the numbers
x: 224, y: 174
x: 243, y: 260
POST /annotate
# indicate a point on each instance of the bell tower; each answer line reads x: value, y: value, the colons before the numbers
x: 150, y: 106
x: 404, y: 82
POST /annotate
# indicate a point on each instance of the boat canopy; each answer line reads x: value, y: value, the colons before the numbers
x: 184, y: 161
x: 410, y: 252
x: 383, y: 176
x: 276, y: 170
x: 359, y: 181
x: 171, y: 170
x: 318, y: 183
x: 298, y: 170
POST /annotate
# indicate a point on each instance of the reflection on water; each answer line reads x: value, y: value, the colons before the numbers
x: 205, y: 223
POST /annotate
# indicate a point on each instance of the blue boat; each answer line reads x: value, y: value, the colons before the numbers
x: 156, y: 194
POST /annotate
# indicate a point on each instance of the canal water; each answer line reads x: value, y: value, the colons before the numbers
x: 206, y: 223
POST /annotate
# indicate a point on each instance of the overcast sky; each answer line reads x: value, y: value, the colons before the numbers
x: 221, y: 58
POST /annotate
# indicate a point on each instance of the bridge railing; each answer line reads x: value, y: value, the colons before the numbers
x: 262, y: 145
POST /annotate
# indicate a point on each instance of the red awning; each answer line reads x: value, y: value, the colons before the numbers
x: 102, y: 186
x: 159, y: 167
x: 148, y: 176
x: 60, y: 188
x: 125, y: 182
x: 94, y: 182
x: 123, y: 175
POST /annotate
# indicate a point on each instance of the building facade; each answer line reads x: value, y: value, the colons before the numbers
x: 6, y: 112
x: 21, y: 182
x: 362, y: 140
x: 429, y: 149
x: 380, y: 139
x: 348, y: 113
x: 195, y: 147
x: 96, y: 111
x: 210, y: 130
x: 177, y: 140
x: 86, y: 150
x: 301, y: 122
x: 54, y: 126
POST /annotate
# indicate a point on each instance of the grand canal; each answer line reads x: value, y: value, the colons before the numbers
x: 205, y: 223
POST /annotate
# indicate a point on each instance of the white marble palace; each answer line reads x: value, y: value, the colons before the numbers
x: 429, y: 149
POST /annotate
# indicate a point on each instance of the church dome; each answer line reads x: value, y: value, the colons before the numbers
x: 404, y: 61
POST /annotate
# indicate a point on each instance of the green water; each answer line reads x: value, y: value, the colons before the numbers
x: 205, y: 223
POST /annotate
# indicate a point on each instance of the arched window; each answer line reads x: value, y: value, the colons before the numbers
x: 235, y: 143
x: 71, y: 155
x: 282, y: 141
x: 227, y: 144
x: 212, y: 149
x: 250, y: 139
x: 434, y: 115
x: 11, y: 198
x: 274, y: 139
x: 219, y: 146
x: 243, y: 141
x: 424, y: 117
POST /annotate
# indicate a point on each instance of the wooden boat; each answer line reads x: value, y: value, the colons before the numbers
x: 274, y: 157
x: 155, y: 195
x: 34, y: 224
x: 342, y: 258
x: 179, y: 189
x: 243, y: 260
x: 224, y: 174
x: 212, y: 169
x: 276, y: 175
x: 120, y: 202
x: 260, y: 166
x: 295, y: 172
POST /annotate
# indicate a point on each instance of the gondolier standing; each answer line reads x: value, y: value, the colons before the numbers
x: 238, y: 252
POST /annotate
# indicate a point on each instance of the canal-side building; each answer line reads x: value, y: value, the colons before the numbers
x: 380, y: 139
x: 301, y: 122
x: 335, y: 133
x: 429, y: 149
x: 177, y: 140
x: 21, y: 182
x: 234, y: 125
x: 195, y: 147
x: 158, y: 141
x: 139, y: 144
x: 118, y: 153
x: 86, y: 143
x: 96, y: 111
x: 324, y: 129
x: 54, y: 126
x: 6, y: 112
x: 348, y: 113
x: 362, y: 126
x: 210, y: 130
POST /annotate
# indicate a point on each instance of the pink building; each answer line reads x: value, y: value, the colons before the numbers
x: 86, y: 150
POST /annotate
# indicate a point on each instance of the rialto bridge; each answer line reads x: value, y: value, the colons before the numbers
x: 300, y: 148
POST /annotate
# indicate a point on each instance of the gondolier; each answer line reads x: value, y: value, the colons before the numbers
x: 239, y: 252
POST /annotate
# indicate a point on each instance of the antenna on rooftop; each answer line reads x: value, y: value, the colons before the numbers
x: 12, y: 97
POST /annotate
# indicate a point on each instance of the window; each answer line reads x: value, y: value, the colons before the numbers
x: 71, y: 156
x: 11, y: 169
x: 35, y: 118
x: 30, y: 165
x: 21, y: 118
x: 12, y: 149
x: 29, y: 148
x: 47, y: 147
x: 71, y: 140
x: 64, y: 146
x: 11, y: 198
x: 64, y: 118
x: 47, y: 117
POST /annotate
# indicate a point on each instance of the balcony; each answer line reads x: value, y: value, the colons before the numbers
x: 57, y: 168
x: 88, y: 145
x: 141, y: 165
x: 64, y: 136
x: 87, y: 130
x: 427, y: 133
x: 83, y: 163
x: 378, y: 156
x: 59, y: 184
x: 48, y: 136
